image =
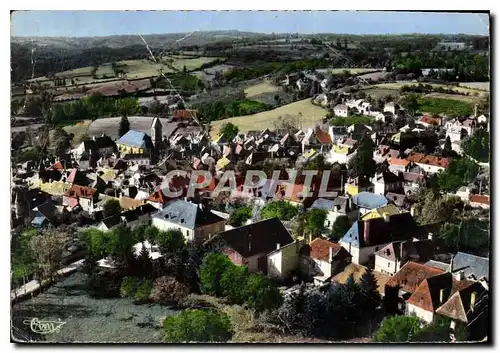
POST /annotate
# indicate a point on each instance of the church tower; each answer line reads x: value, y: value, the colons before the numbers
x: 156, y: 132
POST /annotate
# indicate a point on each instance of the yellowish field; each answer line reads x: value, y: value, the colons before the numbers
x: 354, y: 71
x: 458, y: 97
x: 398, y: 85
x: 78, y: 130
x: 304, y: 111
x: 142, y: 68
x: 263, y: 87
x: 482, y: 86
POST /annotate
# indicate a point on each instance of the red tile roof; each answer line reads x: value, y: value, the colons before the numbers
x: 398, y: 161
x: 323, y: 137
x: 484, y: 199
x: 80, y: 191
x: 411, y: 275
x: 435, y: 161
x: 158, y: 196
x: 428, y: 120
x: 57, y: 166
x: 415, y: 157
x: 185, y: 114
x: 320, y: 249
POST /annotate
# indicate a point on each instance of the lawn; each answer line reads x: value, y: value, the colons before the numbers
x: 260, y: 88
x: 483, y: 86
x: 377, y: 92
x: 304, y: 111
x: 457, y: 97
x: 192, y: 64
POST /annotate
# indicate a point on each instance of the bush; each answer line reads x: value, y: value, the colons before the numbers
x: 211, y: 272
x: 168, y: 289
x: 281, y: 209
x: 240, y: 216
x: 136, y: 288
x: 398, y: 329
x: 104, y: 284
x: 260, y: 294
x: 197, y: 326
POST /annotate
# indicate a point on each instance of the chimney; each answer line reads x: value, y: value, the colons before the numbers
x: 93, y: 138
x: 330, y: 255
x: 430, y: 236
x: 460, y: 275
x: 441, y: 296
x: 386, y: 217
x: 366, y: 233
x: 472, y: 301
x: 277, y: 246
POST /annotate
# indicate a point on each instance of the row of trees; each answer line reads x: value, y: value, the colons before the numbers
x: 223, y: 109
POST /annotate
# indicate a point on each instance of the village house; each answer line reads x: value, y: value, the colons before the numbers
x: 404, y: 283
x: 321, y: 259
x: 195, y: 222
x: 354, y: 186
x: 397, y: 165
x: 340, y: 154
x: 427, y: 121
x: 391, y: 107
x: 430, y: 164
x: 367, y: 201
x: 479, y: 201
x: 341, y: 110
x: 387, y: 182
x: 97, y: 146
x: 393, y: 256
x: 84, y: 196
x: 466, y: 312
x: 340, y: 206
x: 365, y: 237
x: 470, y: 266
x: 264, y: 246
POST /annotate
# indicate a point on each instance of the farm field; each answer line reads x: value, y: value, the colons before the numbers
x: 304, y: 111
x: 78, y: 129
x: 398, y: 85
x: 208, y: 73
x: 339, y: 70
x: 192, y: 63
x: 260, y: 88
x: 484, y: 86
x: 376, y: 92
x: 457, y: 97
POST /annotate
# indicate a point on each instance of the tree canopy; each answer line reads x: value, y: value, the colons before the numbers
x: 229, y: 131
x: 280, y: 209
x: 111, y: 208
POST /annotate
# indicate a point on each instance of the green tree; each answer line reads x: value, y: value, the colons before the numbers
x: 460, y: 171
x: 240, y: 216
x: 280, y: 209
x: 170, y: 241
x: 233, y: 282
x: 410, y: 103
x: 369, y: 292
x: 197, y: 326
x: 363, y: 164
x: 261, y: 294
x: 211, y: 271
x: 341, y: 225
x: 48, y: 247
x: 111, y: 208
x: 124, y: 126
x: 229, y: 131
x: 447, y: 149
x: 121, y: 244
x: 315, y: 222
x: 398, y: 329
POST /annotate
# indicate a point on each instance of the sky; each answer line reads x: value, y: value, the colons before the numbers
x: 105, y: 23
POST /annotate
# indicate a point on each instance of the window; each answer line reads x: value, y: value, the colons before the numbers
x: 388, y: 264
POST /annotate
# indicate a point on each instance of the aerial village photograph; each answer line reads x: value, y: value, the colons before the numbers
x: 317, y: 177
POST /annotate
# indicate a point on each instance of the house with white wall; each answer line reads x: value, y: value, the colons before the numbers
x: 196, y: 223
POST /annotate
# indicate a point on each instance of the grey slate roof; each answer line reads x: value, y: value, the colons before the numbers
x: 187, y: 214
x: 438, y: 264
x: 135, y: 139
x: 369, y: 200
x: 471, y: 265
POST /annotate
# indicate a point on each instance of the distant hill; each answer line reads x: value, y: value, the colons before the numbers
x: 120, y: 41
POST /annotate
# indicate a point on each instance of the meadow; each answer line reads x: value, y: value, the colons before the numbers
x: 304, y: 111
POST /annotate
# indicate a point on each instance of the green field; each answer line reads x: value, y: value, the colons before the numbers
x: 444, y: 106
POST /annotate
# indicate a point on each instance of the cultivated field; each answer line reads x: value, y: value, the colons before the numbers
x: 376, y: 92
x: 79, y: 129
x: 304, y: 111
x: 193, y: 63
x: 457, y: 97
x: 260, y: 88
x: 398, y: 85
